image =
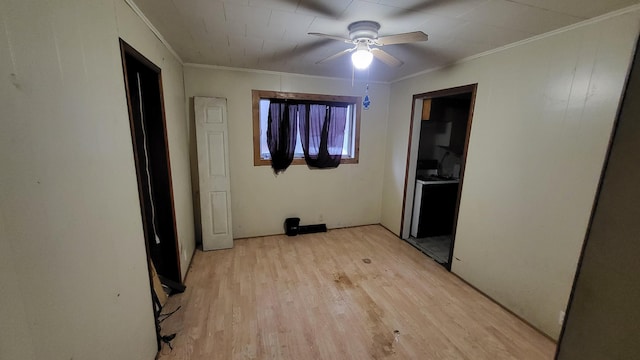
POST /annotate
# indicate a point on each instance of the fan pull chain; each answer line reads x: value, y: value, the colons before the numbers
x: 353, y: 75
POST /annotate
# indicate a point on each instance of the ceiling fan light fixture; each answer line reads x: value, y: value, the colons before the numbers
x: 362, y: 57
x: 364, y: 34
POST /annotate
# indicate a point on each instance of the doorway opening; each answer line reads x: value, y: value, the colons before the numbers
x: 438, y: 140
x: 143, y: 83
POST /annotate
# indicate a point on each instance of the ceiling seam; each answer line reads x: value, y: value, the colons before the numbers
x: 279, y: 73
x: 544, y: 9
x: 620, y: 12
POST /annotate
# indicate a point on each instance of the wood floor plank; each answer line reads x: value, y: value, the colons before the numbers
x: 356, y: 293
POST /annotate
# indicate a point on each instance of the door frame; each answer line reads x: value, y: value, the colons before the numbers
x: 128, y: 50
x: 412, y: 156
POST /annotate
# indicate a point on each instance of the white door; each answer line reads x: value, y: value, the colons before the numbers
x: 213, y: 168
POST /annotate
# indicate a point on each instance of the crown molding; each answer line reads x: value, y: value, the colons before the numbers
x: 153, y: 29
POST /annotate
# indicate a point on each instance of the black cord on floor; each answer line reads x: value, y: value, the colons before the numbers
x: 167, y: 340
x: 166, y: 316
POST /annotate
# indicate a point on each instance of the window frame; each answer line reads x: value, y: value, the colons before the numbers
x: 257, y: 95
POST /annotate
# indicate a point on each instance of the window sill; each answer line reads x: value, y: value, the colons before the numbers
x: 300, y: 161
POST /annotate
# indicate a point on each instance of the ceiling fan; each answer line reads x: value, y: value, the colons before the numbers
x: 364, y: 36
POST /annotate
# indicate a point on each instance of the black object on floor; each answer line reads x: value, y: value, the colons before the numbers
x: 308, y: 229
x: 174, y: 287
x: 292, y: 227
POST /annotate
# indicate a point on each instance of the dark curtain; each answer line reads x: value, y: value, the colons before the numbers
x: 322, y: 134
x: 282, y: 134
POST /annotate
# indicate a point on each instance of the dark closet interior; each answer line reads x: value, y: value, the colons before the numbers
x: 148, y: 130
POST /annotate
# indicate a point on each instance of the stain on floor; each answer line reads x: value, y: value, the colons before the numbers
x: 383, y: 339
x: 342, y: 279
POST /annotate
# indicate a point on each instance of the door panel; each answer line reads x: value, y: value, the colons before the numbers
x: 216, y: 154
x: 219, y: 213
x: 213, y: 172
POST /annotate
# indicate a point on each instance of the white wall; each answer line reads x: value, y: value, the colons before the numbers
x: 543, y: 117
x: 260, y: 201
x: 602, y: 321
x: 73, y: 267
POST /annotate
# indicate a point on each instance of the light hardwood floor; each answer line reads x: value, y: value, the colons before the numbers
x: 357, y: 293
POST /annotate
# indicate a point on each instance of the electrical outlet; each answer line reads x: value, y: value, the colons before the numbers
x: 561, y: 317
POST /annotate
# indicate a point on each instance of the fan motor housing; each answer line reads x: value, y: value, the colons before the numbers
x: 363, y: 30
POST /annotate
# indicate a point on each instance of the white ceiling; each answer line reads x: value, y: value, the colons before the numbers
x: 272, y: 34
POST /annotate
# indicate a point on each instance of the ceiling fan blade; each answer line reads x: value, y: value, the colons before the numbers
x: 403, y: 38
x: 335, y: 56
x: 314, y: 6
x: 385, y: 57
x: 299, y: 50
x: 420, y: 7
x: 331, y: 37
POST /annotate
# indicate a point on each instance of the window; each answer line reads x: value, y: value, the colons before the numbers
x: 261, y: 101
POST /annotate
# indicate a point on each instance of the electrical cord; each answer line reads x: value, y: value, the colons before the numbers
x: 146, y: 161
x: 168, y: 315
x: 166, y: 339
